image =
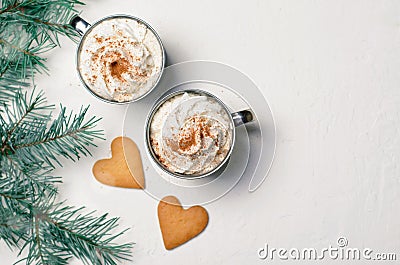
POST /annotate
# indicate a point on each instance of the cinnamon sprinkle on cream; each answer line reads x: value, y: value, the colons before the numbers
x: 118, y: 67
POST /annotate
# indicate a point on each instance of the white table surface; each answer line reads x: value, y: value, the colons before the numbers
x: 330, y: 71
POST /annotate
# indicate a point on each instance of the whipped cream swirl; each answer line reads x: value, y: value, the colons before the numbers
x: 191, y: 133
x: 120, y: 59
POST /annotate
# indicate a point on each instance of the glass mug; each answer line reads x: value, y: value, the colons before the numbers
x: 235, y: 119
x: 84, y: 29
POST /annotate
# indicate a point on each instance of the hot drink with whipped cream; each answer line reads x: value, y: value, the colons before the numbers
x: 120, y: 59
x: 191, y: 133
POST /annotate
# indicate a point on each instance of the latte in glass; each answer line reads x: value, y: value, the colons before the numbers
x: 191, y: 133
x: 120, y: 59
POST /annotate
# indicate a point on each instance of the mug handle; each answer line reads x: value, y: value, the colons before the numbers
x: 79, y: 24
x: 241, y: 117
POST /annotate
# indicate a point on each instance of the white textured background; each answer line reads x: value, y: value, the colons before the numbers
x: 329, y: 69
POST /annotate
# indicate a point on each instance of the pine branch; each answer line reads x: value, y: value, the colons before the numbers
x: 80, y: 235
x: 26, y: 136
x: 32, y: 143
x: 12, y: 227
x: 21, y: 52
x: 68, y: 136
x: 35, y: 174
x: 53, y: 233
x: 15, y: 198
x: 28, y: 28
x: 29, y: 146
x: 9, y: 85
x: 42, y: 17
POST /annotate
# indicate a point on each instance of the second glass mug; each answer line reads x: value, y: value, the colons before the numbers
x: 236, y: 119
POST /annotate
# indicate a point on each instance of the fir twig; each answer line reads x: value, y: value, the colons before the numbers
x: 28, y: 28
x: 62, y: 232
x: 28, y: 137
x: 32, y: 142
x: 52, y: 232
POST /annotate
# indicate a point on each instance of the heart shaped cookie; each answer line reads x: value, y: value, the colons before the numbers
x: 124, y: 169
x: 179, y: 225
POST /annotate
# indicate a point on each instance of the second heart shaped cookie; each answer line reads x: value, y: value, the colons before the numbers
x: 124, y: 169
x: 179, y: 225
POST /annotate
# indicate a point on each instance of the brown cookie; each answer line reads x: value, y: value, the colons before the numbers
x: 179, y: 225
x: 124, y: 168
